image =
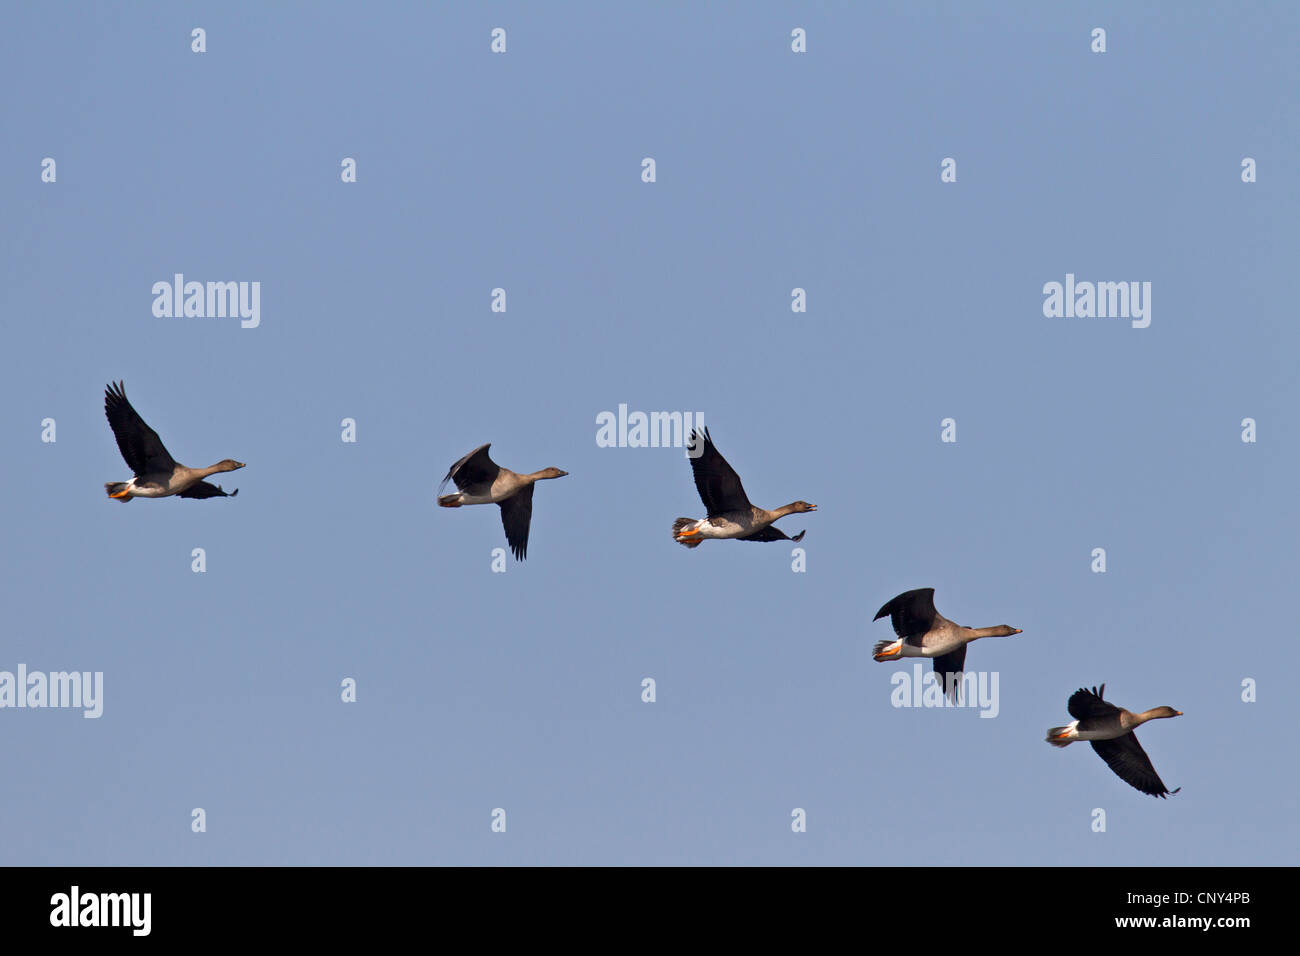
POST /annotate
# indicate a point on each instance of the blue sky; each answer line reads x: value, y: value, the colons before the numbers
x: 522, y: 171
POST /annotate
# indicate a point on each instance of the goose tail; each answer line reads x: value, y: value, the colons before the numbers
x: 684, y: 532
x: 1060, y: 736
x: 887, y: 650
x: 117, y: 489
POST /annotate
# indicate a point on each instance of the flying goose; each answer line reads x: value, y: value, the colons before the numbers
x: 924, y: 632
x: 157, y: 474
x: 483, y: 482
x: 729, y: 512
x: 1110, y: 731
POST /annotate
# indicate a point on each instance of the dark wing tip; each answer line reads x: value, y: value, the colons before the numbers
x: 902, y: 600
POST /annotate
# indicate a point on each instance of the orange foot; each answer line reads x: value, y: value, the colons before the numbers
x: 124, y: 494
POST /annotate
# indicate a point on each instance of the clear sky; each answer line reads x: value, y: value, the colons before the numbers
x: 774, y: 171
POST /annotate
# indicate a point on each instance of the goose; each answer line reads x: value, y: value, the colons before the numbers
x: 1110, y: 731
x: 156, y: 473
x: 483, y: 482
x: 924, y: 632
x: 729, y: 512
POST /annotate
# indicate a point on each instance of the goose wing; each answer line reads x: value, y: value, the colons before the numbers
x: 772, y: 533
x: 952, y: 663
x: 516, y: 516
x: 716, y: 481
x: 913, y: 616
x: 1125, y: 756
x: 1087, y: 704
x: 474, y: 470
x: 139, y: 444
x: 205, y: 489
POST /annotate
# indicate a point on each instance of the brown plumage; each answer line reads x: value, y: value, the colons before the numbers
x: 156, y: 473
x: 924, y: 632
x: 483, y: 482
x: 1110, y: 731
x: 729, y: 513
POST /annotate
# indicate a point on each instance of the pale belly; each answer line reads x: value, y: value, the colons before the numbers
x: 149, y: 490
x: 722, y: 528
x: 930, y: 650
x: 907, y: 650
x: 466, y: 499
x: 1109, y: 734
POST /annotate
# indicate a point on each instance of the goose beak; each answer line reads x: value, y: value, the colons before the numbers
x: 1178, y: 713
x: 1018, y: 630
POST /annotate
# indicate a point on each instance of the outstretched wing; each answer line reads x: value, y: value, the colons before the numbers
x: 1125, y: 756
x: 516, y: 516
x: 716, y: 481
x: 472, y: 470
x: 139, y: 444
x: 772, y: 533
x: 912, y: 614
x: 949, y: 667
x: 1087, y: 704
x: 204, y: 489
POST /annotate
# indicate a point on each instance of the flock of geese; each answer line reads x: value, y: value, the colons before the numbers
x: 921, y: 630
